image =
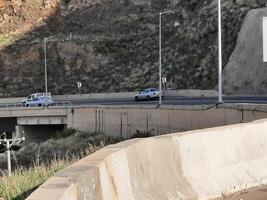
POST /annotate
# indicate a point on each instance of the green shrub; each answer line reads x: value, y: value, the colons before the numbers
x: 66, y: 132
x: 73, y: 147
x: 142, y: 134
x: 5, y: 40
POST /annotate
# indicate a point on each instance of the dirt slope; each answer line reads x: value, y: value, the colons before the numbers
x: 113, y: 45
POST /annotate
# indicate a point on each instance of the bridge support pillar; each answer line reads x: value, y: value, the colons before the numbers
x: 18, y: 131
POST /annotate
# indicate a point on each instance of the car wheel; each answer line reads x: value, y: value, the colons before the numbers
x: 39, y: 104
x: 136, y: 98
x: 27, y: 105
x: 148, y: 98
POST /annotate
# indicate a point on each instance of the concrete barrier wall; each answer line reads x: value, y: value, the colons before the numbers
x: 192, y: 93
x: 11, y: 100
x: 33, y: 112
x: 203, y: 164
x: 127, y: 121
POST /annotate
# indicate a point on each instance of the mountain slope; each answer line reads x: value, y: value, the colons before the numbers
x: 113, y: 45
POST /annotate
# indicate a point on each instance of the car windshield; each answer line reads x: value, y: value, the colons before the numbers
x: 153, y: 90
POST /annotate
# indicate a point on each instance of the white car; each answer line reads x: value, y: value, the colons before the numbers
x: 149, y: 94
x: 32, y: 96
x: 38, y: 101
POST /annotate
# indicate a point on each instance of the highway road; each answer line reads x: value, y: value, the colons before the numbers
x: 178, y: 100
x: 171, y: 100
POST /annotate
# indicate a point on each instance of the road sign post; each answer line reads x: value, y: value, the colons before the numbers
x: 79, y: 85
x: 164, y: 81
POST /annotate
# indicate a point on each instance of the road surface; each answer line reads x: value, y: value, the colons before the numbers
x: 174, y: 101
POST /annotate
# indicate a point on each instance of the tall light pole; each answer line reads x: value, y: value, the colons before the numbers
x: 160, y: 74
x: 160, y: 86
x: 220, y: 100
x: 45, y: 63
x: 45, y: 67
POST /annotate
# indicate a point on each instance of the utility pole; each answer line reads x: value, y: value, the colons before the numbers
x: 9, y: 143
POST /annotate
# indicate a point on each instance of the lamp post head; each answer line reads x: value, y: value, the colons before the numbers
x: 168, y: 12
x: 176, y: 24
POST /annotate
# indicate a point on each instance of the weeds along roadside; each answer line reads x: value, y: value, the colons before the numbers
x: 40, y: 161
x: 67, y: 145
x: 24, y: 181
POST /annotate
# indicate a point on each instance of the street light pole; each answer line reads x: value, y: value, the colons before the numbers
x: 220, y: 100
x: 160, y: 86
x: 45, y: 66
x: 160, y: 75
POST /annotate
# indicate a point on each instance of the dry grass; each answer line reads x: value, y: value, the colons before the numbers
x: 24, y: 181
x: 8, y: 39
x: 5, y: 40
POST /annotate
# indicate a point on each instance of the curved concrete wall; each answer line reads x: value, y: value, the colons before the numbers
x: 201, y: 164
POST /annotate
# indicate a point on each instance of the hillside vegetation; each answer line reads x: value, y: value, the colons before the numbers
x: 113, y: 45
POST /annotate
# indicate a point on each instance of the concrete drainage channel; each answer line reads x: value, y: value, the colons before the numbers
x: 203, y: 164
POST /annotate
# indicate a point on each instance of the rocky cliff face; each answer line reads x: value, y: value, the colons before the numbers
x: 246, y: 72
x: 113, y: 45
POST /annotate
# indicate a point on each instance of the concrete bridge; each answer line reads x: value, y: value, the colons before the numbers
x: 36, y: 123
x: 123, y: 121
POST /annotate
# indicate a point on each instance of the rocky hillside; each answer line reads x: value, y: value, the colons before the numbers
x: 113, y: 45
x: 245, y: 72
